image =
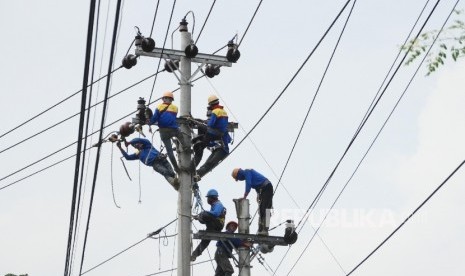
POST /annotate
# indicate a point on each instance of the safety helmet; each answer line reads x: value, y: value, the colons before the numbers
x: 212, y: 99
x: 212, y: 193
x: 233, y: 223
x: 168, y: 94
x: 234, y: 173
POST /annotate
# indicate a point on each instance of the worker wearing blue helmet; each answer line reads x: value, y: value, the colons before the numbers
x: 213, y: 219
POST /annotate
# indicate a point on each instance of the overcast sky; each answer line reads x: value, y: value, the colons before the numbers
x: 43, y: 50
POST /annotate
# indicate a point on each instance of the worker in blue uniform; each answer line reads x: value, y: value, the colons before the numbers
x: 216, y: 138
x: 150, y: 156
x: 224, y: 251
x: 213, y: 219
x: 165, y: 117
x: 264, y: 188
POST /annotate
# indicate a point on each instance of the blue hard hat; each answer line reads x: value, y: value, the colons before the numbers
x: 212, y: 193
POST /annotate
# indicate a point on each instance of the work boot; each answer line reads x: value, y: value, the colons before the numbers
x: 196, y: 178
x: 263, y: 232
x: 173, y: 182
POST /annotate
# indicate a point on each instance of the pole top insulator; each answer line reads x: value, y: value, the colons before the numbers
x: 183, y: 25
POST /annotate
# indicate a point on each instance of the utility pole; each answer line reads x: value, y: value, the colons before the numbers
x: 243, y: 218
x: 185, y: 162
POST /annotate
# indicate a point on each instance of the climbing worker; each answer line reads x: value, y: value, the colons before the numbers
x: 216, y: 138
x: 264, y: 188
x: 224, y: 251
x: 150, y: 156
x: 165, y: 116
x: 213, y: 219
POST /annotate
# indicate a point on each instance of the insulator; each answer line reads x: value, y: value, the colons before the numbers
x: 266, y: 248
x: 129, y: 61
x: 126, y: 129
x: 138, y: 41
x: 148, y: 44
x: 212, y: 70
x: 171, y: 66
x: 191, y: 51
x: 183, y: 25
x: 233, y: 54
x: 290, y: 235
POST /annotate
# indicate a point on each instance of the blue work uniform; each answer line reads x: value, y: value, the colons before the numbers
x: 253, y: 179
x: 146, y: 155
x: 165, y: 115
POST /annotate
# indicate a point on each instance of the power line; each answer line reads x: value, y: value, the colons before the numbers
x: 74, y: 115
x: 250, y: 23
x: 205, y: 22
x: 131, y: 246
x: 51, y: 107
x: 72, y: 222
x: 407, y: 219
x: 164, y: 43
x: 59, y: 150
x: 379, y: 132
x: 154, y: 17
x: 323, y: 188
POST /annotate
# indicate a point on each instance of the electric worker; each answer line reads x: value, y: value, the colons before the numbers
x: 165, y: 116
x: 216, y: 138
x: 264, y: 188
x: 150, y: 156
x: 224, y: 251
x: 213, y: 219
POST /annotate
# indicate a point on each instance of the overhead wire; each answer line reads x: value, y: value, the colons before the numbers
x: 130, y: 247
x: 164, y: 43
x: 293, y: 77
x: 205, y: 22
x: 73, y: 219
x: 18, y: 126
x: 364, y: 120
x: 102, y: 124
x: 250, y: 23
x: 59, y: 150
x: 381, y: 129
x: 154, y: 17
x: 408, y: 218
x: 83, y: 161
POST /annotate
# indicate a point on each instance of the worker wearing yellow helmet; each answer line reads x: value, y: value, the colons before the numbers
x: 216, y: 137
x: 165, y: 117
x: 264, y: 188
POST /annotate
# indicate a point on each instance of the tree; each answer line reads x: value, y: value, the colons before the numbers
x: 9, y: 274
x: 451, y: 41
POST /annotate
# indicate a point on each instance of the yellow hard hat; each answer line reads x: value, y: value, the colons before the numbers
x: 234, y: 173
x: 168, y: 94
x: 212, y: 98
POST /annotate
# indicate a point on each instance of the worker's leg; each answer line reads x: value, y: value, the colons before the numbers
x: 266, y: 202
x: 213, y: 160
x: 163, y: 167
x: 223, y: 264
x: 166, y: 134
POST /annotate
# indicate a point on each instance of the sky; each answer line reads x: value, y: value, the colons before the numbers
x: 420, y: 146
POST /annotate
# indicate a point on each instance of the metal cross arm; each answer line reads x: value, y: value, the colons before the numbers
x: 271, y: 240
x: 177, y: 54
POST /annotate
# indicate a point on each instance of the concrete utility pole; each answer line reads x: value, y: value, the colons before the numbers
x: 243, y: 217
x: 185, y: 163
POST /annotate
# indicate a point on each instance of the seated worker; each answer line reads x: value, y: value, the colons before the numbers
x: 165, y: 116
x: 213, y: 219
x: 224, y: 251
x: 216, y: 138
x: 148, y: 155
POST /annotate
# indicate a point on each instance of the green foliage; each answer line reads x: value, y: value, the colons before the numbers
x: 9, y: 274
x: 450, y: 42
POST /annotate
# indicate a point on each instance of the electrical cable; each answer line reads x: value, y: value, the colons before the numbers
x: 250, y: 23
x: 126, y: 249
x: 33, y: 163
x: 102, y: 123
x: 83, y: 161
x: 154, y: 17
x: 51, y: 107
x: 379, y: 132
x: 163, y: 48
x: 407, y: 219
x: 72, y: 219
x: 74, y: 115
x: 323, y: 188
x: 293, y: 77
x: 205, y: 22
